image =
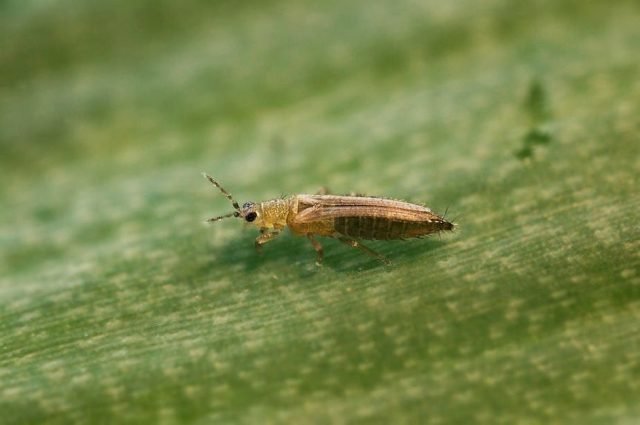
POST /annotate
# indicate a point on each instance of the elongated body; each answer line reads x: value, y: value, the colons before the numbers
x: 361, y: 217
x: 347, y: 218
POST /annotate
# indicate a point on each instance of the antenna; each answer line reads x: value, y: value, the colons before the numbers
x: 233, y: 214
x: 224, y: 192
x: 236, y: 213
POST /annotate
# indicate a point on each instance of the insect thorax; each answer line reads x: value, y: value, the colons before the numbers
x: 275, y: 212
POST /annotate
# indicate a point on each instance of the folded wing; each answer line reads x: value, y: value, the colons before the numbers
x: 366, y: 217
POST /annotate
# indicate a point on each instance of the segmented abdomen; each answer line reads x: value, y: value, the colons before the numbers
x: 386, y: 228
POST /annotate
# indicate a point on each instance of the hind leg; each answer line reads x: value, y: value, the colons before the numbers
x: 357, y: 244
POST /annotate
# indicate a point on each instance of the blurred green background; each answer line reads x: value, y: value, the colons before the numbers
x: 119, y: 305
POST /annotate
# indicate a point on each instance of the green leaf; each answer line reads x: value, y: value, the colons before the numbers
x: 118, y: 304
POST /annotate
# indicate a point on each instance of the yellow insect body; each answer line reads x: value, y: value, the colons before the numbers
x: 347, y: 218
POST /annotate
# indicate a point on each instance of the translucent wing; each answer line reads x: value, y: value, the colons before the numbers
x: 312, y: 208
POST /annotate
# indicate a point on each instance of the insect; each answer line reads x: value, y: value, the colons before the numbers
x: 346, y: 218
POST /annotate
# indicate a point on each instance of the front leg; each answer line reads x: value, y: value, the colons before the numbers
x: 265, y: 236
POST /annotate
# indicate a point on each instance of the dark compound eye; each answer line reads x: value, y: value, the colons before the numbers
x: 250, y: 217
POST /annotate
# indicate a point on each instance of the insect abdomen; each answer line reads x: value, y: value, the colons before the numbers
x: 363, y: 227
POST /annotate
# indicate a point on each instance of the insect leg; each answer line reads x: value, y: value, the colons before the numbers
x: 357, y: 244
x: 317, y: 247
x: 265, y: 236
